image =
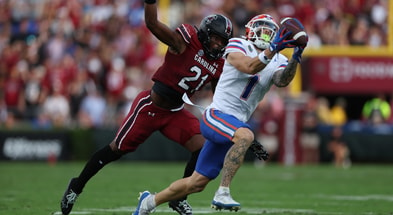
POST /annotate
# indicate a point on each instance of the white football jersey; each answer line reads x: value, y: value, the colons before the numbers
x: 238, y: 93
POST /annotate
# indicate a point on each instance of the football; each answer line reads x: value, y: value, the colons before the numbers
x: 297, y: 31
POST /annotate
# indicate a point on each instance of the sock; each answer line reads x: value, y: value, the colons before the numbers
x: 222, y: 189
x: 151, y: 202
x: 190, y: 167
x: 95, y: 164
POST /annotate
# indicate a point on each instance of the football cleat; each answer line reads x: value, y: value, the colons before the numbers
x: 224, y: 201
x: 181, y: 207
x: 142, y: 208
x: 69, y: 198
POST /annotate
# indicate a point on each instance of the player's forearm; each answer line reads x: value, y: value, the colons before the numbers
x: 258, y: 63
x: 151, y: 15
x: 160, y: 30
x: 284, y: 77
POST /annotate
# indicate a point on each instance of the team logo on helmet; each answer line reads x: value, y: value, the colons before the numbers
x: 210, y: 19
x: 228, y: 29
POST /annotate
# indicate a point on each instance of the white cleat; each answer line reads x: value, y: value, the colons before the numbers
x: 142, y: 208
x: 224, y: 201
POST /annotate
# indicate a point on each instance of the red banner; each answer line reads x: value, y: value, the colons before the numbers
x: 350, y: 74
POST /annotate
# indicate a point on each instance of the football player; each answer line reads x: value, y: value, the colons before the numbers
x: 251, y: 67
x: 193, y: 59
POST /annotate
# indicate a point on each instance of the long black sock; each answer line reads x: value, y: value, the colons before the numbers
x: 190, y: 167
x: 95, y: 164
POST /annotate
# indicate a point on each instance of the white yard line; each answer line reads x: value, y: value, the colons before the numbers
x: 203, y: 211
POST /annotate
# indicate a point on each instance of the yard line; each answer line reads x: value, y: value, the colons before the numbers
x: 200, y: 210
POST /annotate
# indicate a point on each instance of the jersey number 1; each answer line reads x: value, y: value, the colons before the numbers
x: 248, y: 89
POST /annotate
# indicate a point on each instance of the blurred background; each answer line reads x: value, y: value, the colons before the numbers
x: 69, y: 70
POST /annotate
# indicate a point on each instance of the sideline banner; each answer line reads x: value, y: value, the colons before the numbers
x: 350, y: 74
x: 34, y: 145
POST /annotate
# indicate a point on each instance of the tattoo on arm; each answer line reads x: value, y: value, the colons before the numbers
x: 284, y: 77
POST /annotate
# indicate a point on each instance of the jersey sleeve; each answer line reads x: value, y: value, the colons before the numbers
x: 186, y: 31
x: 282, y: 61
x: 235, y: 45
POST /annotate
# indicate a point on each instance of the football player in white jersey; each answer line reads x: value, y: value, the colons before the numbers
x: 252, y: 66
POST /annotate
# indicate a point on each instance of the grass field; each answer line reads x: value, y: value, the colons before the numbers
x: 36, y: 188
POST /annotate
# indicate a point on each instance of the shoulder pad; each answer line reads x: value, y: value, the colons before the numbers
x: 186, y: 31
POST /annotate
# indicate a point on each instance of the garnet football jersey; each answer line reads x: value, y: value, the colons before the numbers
x: 194, y: 70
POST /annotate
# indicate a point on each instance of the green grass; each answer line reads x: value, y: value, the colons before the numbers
x: 34, y: 188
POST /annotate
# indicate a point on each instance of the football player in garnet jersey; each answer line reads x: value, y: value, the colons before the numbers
x: 252, y: 66
x: 193, y: 59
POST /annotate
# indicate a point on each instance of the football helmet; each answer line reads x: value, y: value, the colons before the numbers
x: 214, y: 24
x: 260, y: 30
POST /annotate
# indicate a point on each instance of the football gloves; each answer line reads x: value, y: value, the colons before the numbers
x: 281, y: 41
x: 259, y: 151
x: 297, y: 53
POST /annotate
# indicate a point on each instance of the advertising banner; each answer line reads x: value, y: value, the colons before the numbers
x: 30, y: 145
x: 353, y: 75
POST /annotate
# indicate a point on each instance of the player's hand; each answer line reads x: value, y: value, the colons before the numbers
x: 297, y: 53
x: 259, y: 151
x: 281, y: 41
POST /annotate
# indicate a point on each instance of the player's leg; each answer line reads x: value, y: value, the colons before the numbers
x: 182, y: 187
x: 181, y: 205
x: 219, y: 127
x: 190, y: 138
x: 76, y: 185
x: 136, y: 127
x: 208, y: 167
x: 233, y: 160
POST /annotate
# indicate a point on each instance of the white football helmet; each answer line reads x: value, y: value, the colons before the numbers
x: 261, y: 30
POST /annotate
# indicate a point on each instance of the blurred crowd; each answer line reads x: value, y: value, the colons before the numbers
x: 80, y: 63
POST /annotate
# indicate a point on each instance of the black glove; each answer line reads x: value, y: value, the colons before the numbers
x: 259, y: 151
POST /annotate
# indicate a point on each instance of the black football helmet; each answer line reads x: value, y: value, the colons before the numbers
x: 214, y: 24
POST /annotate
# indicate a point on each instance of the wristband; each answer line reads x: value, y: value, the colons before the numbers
x: 262, y: 57
x: 150, y: 1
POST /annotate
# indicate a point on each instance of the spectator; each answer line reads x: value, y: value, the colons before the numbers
x: 67, y: 36
x: 14, y: 93
x: 339, y: 148
x: 77, y: 90
x: 57, y: 108
x: 309, y: 137
x: 115, y: 80
x: 323, y: 111
x: 391, y: 108
x: 35, y: 94
x: 377, y: 110
x: 267, y: 118
x: 92, y: 109
x: 338, y: 112
x: 3, y: 111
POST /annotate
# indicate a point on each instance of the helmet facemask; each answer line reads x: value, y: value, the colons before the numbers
x: 213, y: 53
x: 214, y: 26
x: 261, y: 31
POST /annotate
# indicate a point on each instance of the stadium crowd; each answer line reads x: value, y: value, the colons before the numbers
x: 79, y: 63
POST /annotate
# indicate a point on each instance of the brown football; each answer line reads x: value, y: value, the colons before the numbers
x: 297, y: 31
